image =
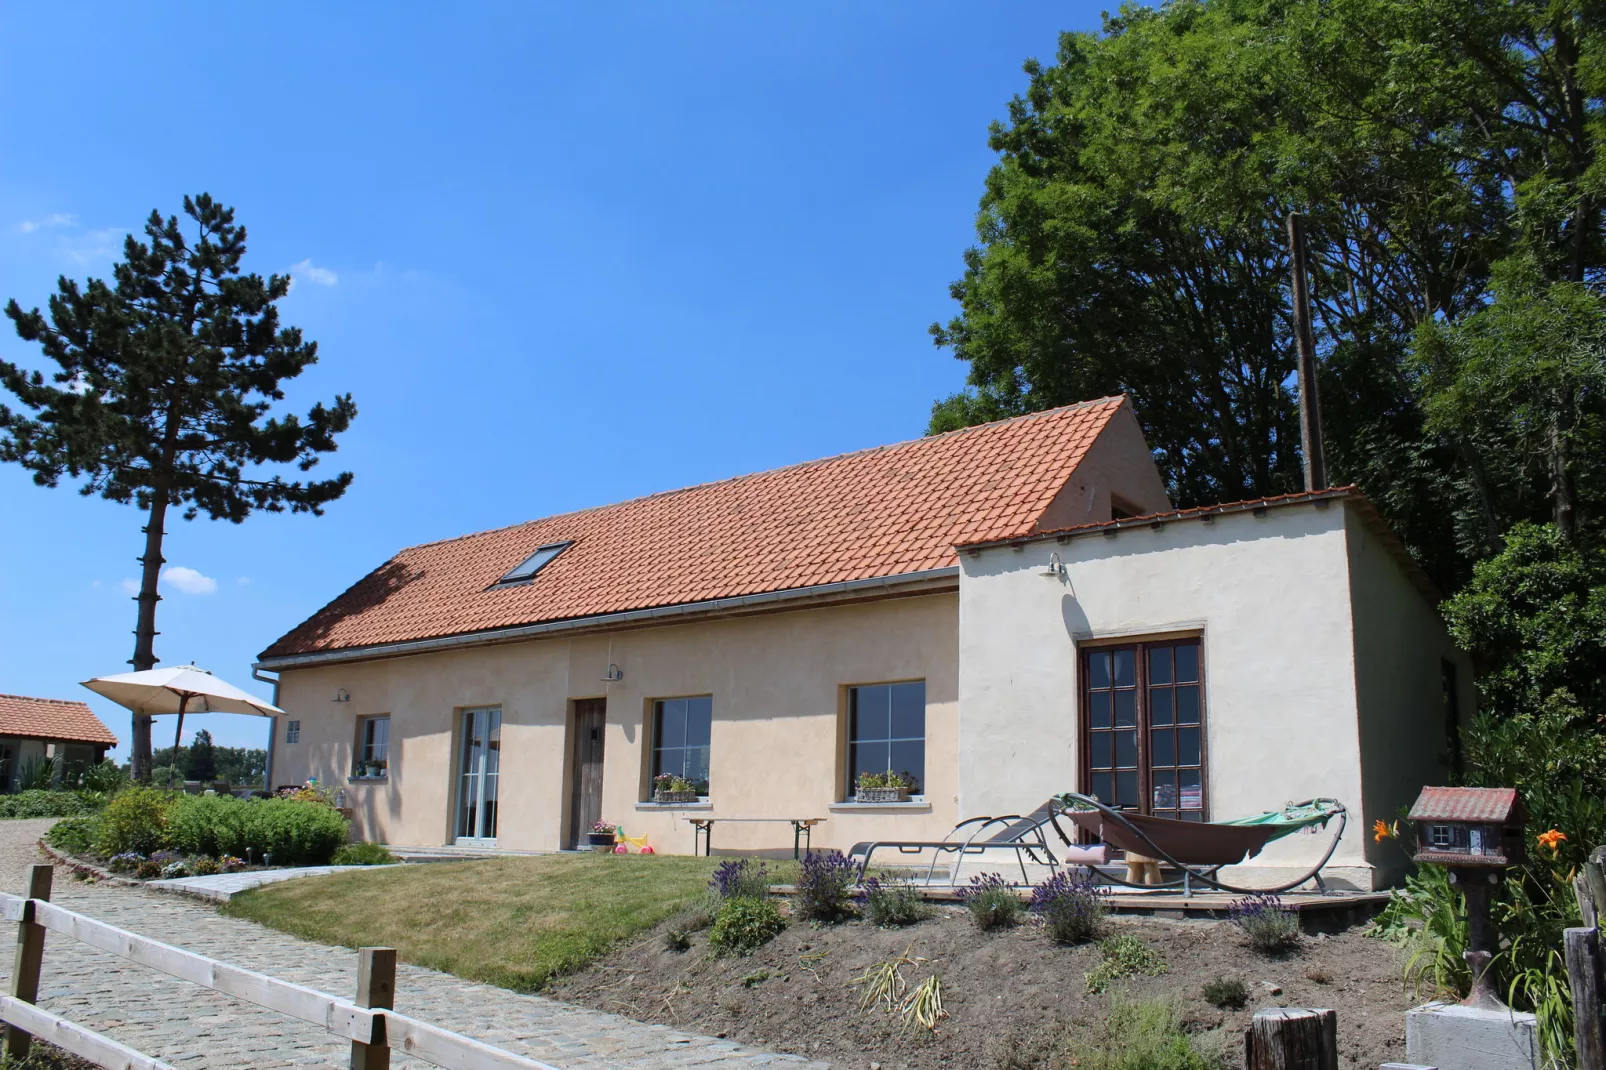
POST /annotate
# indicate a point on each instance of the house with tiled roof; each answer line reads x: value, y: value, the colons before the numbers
x: 36, y: 728
x: 996, y: 614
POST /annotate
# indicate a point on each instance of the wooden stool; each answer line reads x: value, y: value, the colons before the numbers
x: 1141, y: 869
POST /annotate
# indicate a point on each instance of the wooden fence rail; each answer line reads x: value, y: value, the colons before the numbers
x: 369, y: 1023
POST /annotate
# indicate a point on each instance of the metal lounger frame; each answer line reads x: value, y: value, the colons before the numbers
x: 1024, y: 847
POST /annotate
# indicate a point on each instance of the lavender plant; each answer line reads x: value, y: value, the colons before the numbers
x: 889, y: 900
x: 1270, y: 924
x: 823, y: 888
x: 991, y: 900
x: 1071, y: 906
x: 740, y: 878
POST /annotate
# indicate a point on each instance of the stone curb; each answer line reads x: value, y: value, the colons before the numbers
x: 102, y: 876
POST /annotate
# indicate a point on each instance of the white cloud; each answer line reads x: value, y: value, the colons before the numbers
x: 306, y: 269
x: 131, y: 586
x: 188, y: 580
x: 54, y: 219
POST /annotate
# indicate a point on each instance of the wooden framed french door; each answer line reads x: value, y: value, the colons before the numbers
x: 478, y: 772
x: 1143, y: 727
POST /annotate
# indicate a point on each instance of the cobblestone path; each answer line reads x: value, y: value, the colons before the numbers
x: 193, y: 1027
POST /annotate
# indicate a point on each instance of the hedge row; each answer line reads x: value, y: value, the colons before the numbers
x: 289, y: 831
x: 40, y: 803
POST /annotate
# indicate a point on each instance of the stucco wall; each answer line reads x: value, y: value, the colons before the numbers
x: 776, y: 749
x: 1400, y: 644
x: 1269, y: 596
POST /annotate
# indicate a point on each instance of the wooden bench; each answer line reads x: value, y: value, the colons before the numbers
x: 802, y: 827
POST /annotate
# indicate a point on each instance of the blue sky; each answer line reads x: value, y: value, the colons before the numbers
x: 561, y: 257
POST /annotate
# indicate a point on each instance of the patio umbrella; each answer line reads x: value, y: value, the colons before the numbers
x: 180, y: 690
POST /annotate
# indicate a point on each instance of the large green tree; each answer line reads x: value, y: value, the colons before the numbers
x: 164, y: 394
x: 1131, y: 236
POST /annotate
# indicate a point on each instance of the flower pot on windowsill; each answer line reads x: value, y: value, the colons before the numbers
x: 882, y: 795
x: 600, y: 841
x: 663, y: 795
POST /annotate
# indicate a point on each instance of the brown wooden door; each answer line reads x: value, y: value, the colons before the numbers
x: 585, y: 810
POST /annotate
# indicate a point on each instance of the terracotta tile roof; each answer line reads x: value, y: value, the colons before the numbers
x: 52, y: 718
x: 1490, y: 805
x: 881, y: 512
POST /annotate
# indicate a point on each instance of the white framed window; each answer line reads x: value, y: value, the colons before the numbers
x: 1441, y: 835
x: 373, y: 746
x: 292, y: 731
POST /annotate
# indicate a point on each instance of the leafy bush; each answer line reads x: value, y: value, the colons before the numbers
x: 124, y: 862
x: 74, y: 835
x: 890, y: 901
x: 822, y: 888
x: 207, y: 824
x: 1071, y: 906
x: 1145, y: 1036
x: 231, y: 864
x: 292, y: 833
x: 107, y: 777
x: 1263, y: 917
x: 38, y: 803
x: 37, y: 774
x: 1228, y: 993
x: 147, y: 869
x: 135, y: 820
x: 1124, y: 955
x: 742, y: 926
x: 204, y: 866
x: 362, y: 854
x: 740, y: 878
x: 992, y: 902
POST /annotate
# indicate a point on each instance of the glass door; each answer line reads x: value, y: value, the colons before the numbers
x: 481, y: 751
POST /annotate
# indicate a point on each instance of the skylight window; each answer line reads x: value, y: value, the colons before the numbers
x: 527, y: 568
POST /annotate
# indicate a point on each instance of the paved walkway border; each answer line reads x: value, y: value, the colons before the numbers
x: 216, y: 888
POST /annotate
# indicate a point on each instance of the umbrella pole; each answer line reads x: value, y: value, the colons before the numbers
x: 178, y: 733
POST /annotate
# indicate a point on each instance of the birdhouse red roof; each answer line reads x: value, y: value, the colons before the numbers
x: 1496, y: 806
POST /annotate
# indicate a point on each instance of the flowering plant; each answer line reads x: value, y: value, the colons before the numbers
x: 604, y: 828
x: 125, y: 862
x: 231, y: 864
x: 737, y: 879
x: 1071, y: 906
x: 178, y: 868
x: 889, y: 779
x: 1266, y: 920
x: 671, y: 782
x: 1552, y: 840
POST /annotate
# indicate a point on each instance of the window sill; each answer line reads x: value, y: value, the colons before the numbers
x: 652, y: 807
x: 916, y: 805
x: 366, y: 779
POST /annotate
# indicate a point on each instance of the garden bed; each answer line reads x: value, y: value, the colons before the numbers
x: 1013, y: 998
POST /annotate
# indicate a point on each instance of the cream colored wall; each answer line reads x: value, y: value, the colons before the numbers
x: 1270, y: 597
x: 1400, y: 642
x: 778, y: 684
x: 1119, y: 463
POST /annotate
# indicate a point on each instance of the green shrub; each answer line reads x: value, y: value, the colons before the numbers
x: 135, y: 820
x: 1228, y: 993
x: 742, y: 926
x: 1145, y: 1036
x: 892, y: 901
x: 107, y: 778
x: 1266, y: 920
x: 38, y: 803
x: 207, y: 825
x: 740, y: 878
x: 822, y: 887
x: 362, y: 854
x: 1124, y: 955
x: 291, y: 832
x: 74, y: 835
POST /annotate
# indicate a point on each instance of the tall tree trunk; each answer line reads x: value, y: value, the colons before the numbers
x: 1561, y: 483
x: 145, y: 631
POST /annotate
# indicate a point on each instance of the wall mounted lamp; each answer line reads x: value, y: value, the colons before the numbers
x: 1056, y: 567
x: 342, y: 695
x: 614, y: 673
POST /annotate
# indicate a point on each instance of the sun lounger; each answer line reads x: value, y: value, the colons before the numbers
x: 1022, y: 834
x: 1199, y: 850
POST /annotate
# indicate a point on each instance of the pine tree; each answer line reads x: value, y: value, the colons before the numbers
x: 164, y: 395
x: 201, y: 763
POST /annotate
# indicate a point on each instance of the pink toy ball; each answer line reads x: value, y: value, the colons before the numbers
x: 621, y: 849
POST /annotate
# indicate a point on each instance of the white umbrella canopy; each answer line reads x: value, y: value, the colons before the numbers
x: 182, y: 689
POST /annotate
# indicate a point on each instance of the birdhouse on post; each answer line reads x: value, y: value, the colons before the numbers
x: 1476, y: 833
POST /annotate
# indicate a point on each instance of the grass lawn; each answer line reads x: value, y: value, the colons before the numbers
x: 514, y: 922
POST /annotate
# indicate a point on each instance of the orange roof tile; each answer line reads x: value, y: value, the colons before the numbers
x: 880, y: 512
x: 52, y: 718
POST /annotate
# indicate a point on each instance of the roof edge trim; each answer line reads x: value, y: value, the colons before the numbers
x: 632, y: 616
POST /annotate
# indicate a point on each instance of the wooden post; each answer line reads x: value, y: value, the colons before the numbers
x: 1312, y: 450
x: 376, y: 987
x: 30, y: 958
x: 1584, y: 975
x: 1292, y: 1038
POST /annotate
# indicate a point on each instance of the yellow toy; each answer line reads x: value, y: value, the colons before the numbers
x: 639, y: 842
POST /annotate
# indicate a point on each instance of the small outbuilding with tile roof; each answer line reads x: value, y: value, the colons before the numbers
x: 36, y: 728
x: 1002, y: 613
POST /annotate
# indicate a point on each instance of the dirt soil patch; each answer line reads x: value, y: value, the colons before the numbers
x: 1013, y: 998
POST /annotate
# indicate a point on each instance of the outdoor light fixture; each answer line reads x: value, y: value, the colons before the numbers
x: 342, y: 696
x: 1056, y: 567
x: 614, y: 673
